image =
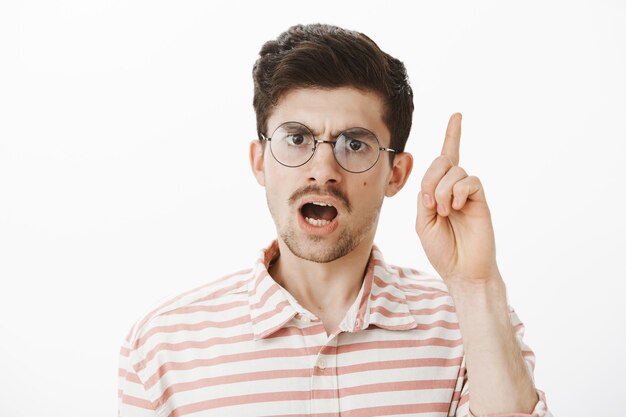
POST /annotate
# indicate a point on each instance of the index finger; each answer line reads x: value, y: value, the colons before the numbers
x: 452, y: 142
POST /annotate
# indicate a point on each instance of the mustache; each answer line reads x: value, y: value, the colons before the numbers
x: 326, y: 191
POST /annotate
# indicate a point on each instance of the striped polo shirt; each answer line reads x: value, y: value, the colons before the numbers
x: 243, y: 346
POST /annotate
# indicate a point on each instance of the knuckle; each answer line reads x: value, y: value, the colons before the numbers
x: 459, y: 171
x: 428, y: 184
x: 442, y: 194
x: 444, y: 160
x: 459, y: 188
x: 475, y: 180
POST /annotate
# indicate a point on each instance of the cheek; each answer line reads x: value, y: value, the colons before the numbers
x: 279, y: 185
x: 368, y: 192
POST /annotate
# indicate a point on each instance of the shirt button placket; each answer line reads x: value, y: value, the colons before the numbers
x: 324, y: 378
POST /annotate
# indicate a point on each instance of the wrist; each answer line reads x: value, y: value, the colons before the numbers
x: 487, y: 293
x: 461, y: 282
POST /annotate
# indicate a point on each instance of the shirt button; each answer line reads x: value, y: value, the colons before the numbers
x: 305, y: 319
x: 321, y: 363
x: 357, y: 323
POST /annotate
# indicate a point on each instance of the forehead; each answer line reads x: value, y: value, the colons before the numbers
x: 329, y: 111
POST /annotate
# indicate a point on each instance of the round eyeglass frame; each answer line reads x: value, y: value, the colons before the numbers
x: 332, y: 143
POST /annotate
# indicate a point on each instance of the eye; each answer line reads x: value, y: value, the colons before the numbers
x: 357, y: 141
x: 355, y: 145
x: 295, y: 139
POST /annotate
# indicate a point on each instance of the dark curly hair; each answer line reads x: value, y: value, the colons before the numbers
x: 325, y: 56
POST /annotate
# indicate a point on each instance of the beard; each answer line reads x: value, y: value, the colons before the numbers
x: 320, y: 249
x: 314, y: 249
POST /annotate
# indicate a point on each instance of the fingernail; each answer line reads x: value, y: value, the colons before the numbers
x: 455, y: 203
x: 441, y: 209
x: 428, y: 202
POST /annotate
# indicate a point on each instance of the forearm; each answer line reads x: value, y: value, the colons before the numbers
x: 499, y: 378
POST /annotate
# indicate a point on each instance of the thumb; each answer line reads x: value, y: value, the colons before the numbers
x: 426, y: 211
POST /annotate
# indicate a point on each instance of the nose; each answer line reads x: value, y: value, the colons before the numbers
x: 323, y: 168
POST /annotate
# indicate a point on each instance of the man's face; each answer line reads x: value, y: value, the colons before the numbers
x: 321, y: 211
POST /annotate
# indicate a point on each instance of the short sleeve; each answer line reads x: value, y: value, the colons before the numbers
x: 133, y: 400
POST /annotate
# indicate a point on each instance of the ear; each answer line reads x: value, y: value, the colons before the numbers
x: 257, y: 162
x: 400, y: 171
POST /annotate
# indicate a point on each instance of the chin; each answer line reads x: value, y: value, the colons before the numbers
x: 321, y: 250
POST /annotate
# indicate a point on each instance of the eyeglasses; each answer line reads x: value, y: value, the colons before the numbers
x: 356, y: 149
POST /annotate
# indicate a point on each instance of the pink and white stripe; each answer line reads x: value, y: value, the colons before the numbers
x: 243, y: 346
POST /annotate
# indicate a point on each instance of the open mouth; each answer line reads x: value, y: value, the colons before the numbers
x: 318, y: 213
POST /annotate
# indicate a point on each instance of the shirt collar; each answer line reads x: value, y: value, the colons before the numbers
x: 381, y: 302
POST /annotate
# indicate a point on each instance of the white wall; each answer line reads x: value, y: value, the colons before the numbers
x: 124, y: 128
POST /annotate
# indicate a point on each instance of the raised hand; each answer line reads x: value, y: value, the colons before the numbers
x: 453, y: 219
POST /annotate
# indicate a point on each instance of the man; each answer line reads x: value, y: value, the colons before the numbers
x: 321, y: 325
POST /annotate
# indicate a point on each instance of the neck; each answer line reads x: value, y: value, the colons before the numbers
x: 325, y: 289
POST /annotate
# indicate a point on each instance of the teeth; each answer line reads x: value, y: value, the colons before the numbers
x: 319, y: 203
x: 316, y: 222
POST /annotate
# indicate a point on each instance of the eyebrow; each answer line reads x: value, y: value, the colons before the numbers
x: 336, y: 133
x: 299, y: 128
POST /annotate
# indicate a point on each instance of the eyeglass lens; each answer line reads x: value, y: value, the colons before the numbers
x: 356, y: 149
